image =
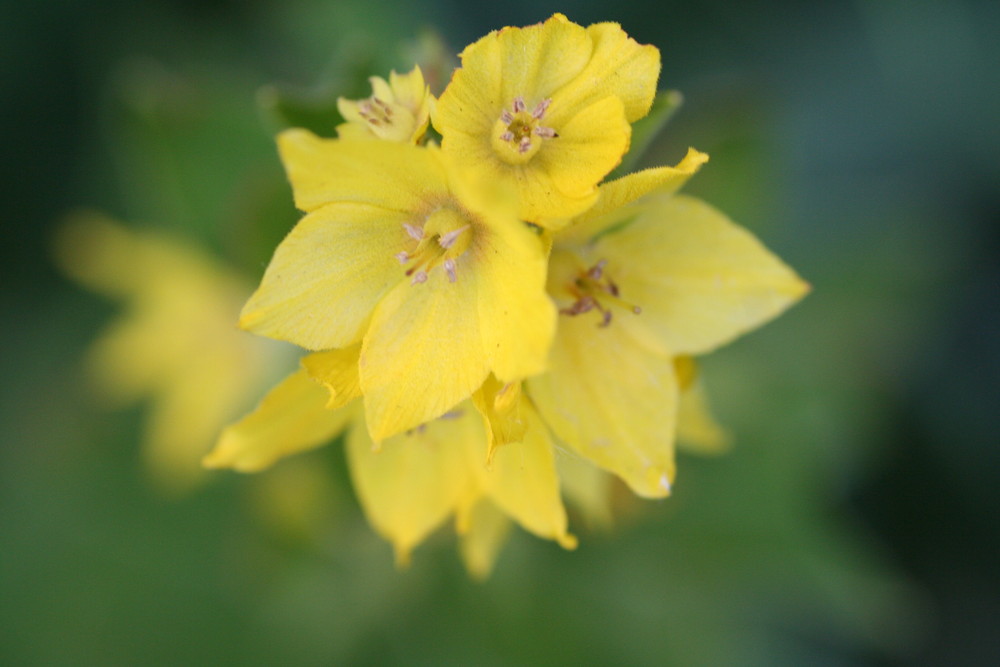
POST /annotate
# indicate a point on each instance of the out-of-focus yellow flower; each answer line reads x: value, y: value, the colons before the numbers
x: 547, y: 108
x: 398, y: 110
x: 174, y: 344
x: 644, y: 277
x: 430, y: 280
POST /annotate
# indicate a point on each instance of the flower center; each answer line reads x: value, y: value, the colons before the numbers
x: 387, y: 120
x: 518, y: 134
x: 594, y: 289
x: 440, y: 241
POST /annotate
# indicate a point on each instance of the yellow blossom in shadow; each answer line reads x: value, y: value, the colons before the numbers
x: 398, y: 110
x: 174, y: 344
x: 547, y: 109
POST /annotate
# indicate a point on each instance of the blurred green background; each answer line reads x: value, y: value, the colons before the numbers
x: 855, y: 520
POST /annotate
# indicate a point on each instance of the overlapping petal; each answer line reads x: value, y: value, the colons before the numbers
x: 337, y: 370
x: 700, y: 279
x: 413, y: 481
x: 483, y: 530
x: 292, y: 418
x: 547, y: 108
x: 398, y: 109
x: 523, y: 482
x: 327, y: 276
x: 613, y: 401
x: 471, y: 302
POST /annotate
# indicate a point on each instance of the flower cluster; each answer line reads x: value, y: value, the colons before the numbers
x: 487, y: 314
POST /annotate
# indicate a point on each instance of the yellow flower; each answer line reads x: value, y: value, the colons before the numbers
x: 175, y: 343
x: 547, y: 108
x: 430, y: 280
x: 639, y: 281
x: 398, y: 110
x: 414, y: 481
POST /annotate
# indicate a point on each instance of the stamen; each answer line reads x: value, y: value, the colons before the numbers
x: 541, y: 108
x: 507, y: 117
x: 419, y: 277
x: 524, y: 145
x: 507, y: 136
x: 519, y: 105
x: 403, y: 257
x: 546, y: 132
x: 597, y: 270
x: 416, y: 233
x: 448, y: 240
x: 592, y: 287
x: 449, y: 268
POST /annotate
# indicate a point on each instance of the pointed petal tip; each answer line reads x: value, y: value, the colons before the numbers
x: 402, y: 554
x: 221, y: 455
x: 567, y: 541
x: 212, y: 461
x: 665, y: 483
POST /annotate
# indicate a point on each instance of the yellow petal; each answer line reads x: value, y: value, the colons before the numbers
x: 414, y: 481
x: 188, y: 412
x: 430, y: 345
x: 587, y: 488
x: 486, y: 533
x: 618, y: 66
x: 292, y: 418
x: 337, y: 370
x: 499, y: 405
x: 561, y: 180
x: 327, y: 275
x: 324, y: 171
x: 612, y: 207
x: 522, y: 481
x: 533, y: 62
x: 517, y: 317
x: 700, y: 279
x: 611, y: 400
x: 697, y: 430
x: 398, y: 109
x: 580, y: 85
x: 101, y: 254
x: 422, y: 354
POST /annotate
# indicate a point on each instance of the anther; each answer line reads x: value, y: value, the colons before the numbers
x: 545, y: 132
x: 507, y: 117
x: 507, y: 136
x: 419, y: 277
x: 591, y: 288
x: 403, y: 257
x: 415, y: 232
x: 524, y: 145
x: 519, y: 105
x: 449, y: 268
x: 597, y: 270
x: 541, y: 108
x: 448, y: 240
